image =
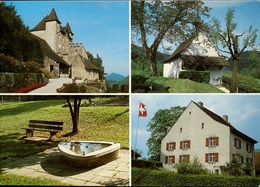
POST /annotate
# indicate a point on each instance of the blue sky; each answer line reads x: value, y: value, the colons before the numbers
x: 243, y: 112
x: 246, y: 14
x: 102, y: 26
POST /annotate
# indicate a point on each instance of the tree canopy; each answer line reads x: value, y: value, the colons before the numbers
x: 227, y: 41
x: 159, y: 126
x: 154, y: 22
x: 15, y: 38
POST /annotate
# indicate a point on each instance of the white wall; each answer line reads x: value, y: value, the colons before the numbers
x: 172, y: 69
x: 201, y: 46
x: 191, y: 123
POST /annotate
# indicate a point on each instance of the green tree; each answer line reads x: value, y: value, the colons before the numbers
x: 97, y: 61
x: 15, y: 38
x: 159, y: 126
x: 154, y: 22
x: 227, y: 39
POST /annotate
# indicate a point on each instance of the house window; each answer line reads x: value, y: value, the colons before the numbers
x: 211, y: 157
x: 239, y: 158
x: 171, y: 146
x: 185, y: 144
x: 212, y: 142
x: 237, y: 143
x: 184, y: 158
x: 170, y: 159
x: 248, y: 147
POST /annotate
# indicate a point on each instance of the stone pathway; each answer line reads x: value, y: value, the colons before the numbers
x: 49, y: 164
x: 223, y: 89
x: 53, y: 85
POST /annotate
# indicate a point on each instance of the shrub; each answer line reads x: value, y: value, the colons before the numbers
x: 146, y: 164
x: 46, y: 72
x: 245, y: 84
x: 149, y: 177
x: 11, y: 65
x: 197, y: 76
x: 192, y: 167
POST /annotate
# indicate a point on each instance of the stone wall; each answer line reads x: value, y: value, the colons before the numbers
x: 9, y: 82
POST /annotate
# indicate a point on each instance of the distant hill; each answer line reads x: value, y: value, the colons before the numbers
x: 124, y: 81
x: 114, y: 77
x: 247, y: 66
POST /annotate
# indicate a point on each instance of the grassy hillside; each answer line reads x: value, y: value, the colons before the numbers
x: 185, y: 85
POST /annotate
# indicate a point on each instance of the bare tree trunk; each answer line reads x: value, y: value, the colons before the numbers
x: 74, y: 111
x: 234, y: 76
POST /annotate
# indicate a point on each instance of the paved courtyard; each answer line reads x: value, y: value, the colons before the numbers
x: 49, y: 164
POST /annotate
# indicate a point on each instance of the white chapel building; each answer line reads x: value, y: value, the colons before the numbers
x: 196, y: 53
x: 201, y: 133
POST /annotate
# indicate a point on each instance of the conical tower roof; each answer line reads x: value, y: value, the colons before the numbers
x: 42, y: 24
x: 53, y: 16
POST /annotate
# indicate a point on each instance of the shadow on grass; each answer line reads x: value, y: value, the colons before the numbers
x: 25, y: 107
x: 117, y: 115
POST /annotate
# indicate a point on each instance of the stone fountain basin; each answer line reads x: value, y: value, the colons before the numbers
x: 91, y: 159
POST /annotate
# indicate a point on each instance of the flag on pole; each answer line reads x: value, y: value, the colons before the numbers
x: 142, y: 110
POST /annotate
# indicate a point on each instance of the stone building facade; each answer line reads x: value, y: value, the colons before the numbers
x: 74, y: 60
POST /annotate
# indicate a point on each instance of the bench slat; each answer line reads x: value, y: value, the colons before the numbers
x: 41, y: 125
x: 45, y: 127
x: 47, y: 122
x: 46, y: 130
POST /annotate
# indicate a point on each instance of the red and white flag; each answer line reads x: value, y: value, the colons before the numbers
x: 142, y: 110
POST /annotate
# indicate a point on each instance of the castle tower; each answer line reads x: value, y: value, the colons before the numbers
x: 48, y: 29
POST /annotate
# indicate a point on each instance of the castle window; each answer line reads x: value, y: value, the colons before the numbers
x: 202, y: 126
x: 180, y: 129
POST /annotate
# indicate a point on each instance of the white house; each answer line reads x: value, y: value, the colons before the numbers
x: 196, y: 53
x: 203, y: 134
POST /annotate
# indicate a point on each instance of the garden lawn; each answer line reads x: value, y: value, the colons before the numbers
x: 104, y: 123
x: 185, y: 85
x: 7, y: 179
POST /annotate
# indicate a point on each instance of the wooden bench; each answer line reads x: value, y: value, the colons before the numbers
x: 47, y: 126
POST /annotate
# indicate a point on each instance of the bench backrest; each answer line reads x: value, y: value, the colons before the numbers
x: 55, y: 125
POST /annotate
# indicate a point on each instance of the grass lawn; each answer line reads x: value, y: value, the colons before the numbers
x: 104, y: 123
x: 185, y: 85
x: 18, y: 180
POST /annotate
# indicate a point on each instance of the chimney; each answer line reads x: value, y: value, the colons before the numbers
x: 225, y: 117
x: 200, y: 104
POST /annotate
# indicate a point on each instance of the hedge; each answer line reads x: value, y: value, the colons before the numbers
x: 245, y: 84
x: 197, y: 76
x: 149, y: 177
